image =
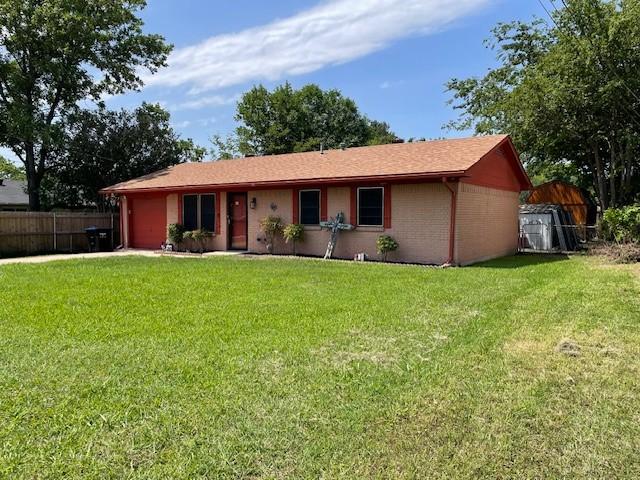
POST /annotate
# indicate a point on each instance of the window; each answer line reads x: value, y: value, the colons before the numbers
x: 208, y: 212
x: 199, y: 211
x: 190, y: 212
x: 309, y: 207
x: 370, y: 206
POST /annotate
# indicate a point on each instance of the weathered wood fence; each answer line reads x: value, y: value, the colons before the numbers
x: 44, y: 232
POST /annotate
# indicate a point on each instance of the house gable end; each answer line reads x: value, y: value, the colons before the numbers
x: 500, y: 169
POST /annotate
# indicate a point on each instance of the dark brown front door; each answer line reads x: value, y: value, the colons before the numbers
x: 237, y: 212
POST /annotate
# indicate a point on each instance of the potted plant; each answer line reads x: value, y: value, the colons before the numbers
x: 272, y: 227
x: 294, y: 232
x: 386, y: 244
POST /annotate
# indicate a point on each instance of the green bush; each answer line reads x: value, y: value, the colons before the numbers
x: 294, y: 233
x: 386, y: 244
x: 175, y: 233
x: 199, y: 237
x: 272, y: 227
x: 622, y: 224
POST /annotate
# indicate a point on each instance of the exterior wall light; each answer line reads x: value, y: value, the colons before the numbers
x: 252, y: 203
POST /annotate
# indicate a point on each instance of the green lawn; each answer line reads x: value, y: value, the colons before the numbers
x: 276, y: 368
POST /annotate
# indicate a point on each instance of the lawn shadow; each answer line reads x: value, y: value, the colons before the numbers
x: 522, y: 260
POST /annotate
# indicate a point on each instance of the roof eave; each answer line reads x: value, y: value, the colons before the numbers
x: 291, y: 183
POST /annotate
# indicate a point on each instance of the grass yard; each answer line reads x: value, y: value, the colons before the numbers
x: 276, y: 368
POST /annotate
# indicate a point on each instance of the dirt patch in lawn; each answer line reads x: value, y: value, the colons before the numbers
x: 359, y: 346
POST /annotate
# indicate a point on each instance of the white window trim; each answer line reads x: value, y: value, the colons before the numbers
x: 299, y: 219
x: 358, y: 206
x: 198, y: 209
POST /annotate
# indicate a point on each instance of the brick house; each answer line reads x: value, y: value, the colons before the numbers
x: 444, y: 201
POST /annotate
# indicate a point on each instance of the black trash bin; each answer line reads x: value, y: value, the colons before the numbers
x: 100, y: 239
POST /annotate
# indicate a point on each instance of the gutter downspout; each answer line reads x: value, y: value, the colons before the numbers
x: 452, y: 223
x: 122, y: 223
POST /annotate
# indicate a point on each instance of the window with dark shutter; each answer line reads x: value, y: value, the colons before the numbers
x: 370, y: 206
x: 190, y: 212
x: 208, y: 212
x: 310, y: 207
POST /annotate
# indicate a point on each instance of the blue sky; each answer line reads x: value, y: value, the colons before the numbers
x: 392, y: 56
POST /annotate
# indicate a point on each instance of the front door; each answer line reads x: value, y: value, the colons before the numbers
x: 237, y: 220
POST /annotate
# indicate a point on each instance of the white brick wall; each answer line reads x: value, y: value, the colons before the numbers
x: 486, y: 224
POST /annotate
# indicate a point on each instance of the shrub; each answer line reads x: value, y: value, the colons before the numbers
x: 198, y: 236
x: 272, y: 227
x: 294, y: 232
x: 622, y: 224
x: 175, y: 233
x: 386, y: 244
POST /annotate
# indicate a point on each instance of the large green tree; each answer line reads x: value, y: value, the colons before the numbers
x: 104, y: 147
x: 10, y: 170
x: 56, y: 53
x: 568, y: 91
x: 288, y: 120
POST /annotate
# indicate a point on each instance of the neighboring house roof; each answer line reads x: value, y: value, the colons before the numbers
x: 416, y: 160
x: 13, y: 192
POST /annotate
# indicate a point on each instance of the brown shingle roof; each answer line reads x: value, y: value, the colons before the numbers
x: 452, y: 157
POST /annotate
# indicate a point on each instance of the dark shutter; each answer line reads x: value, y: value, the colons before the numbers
x: 310, y: 207
x: 190, y: 212
x: 208, y: 212
x: 370, y: 206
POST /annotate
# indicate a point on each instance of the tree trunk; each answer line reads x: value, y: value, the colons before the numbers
x: 613, y: 173
x: 601, y: 186
x: 33, y: 180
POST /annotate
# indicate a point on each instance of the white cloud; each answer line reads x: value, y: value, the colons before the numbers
x: 388, y: 84
x: 205, y: 122
x: 334, y: 32
x: 181, y: 125
x: 205, y: 101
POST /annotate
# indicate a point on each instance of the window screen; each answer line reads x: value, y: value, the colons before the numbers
x: 208, y: 212
x: 190, y: 212
x: 370, y: 206
x: 310, y: 207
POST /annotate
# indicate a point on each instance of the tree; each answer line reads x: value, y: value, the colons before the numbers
x: 106, y: 147
x: 224, y: 148
x: 380, y: 134
x: 10, y: 171
x: 56, y: 53
x: 567, y: 91
x: 288, y: 120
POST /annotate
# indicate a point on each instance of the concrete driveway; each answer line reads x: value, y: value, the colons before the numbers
x: 119, y: 253
x: 76, y: 256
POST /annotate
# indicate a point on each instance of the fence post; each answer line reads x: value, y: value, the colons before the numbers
x: 113, y: 238
x: 55, y: 234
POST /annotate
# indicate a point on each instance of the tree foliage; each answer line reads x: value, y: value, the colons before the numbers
x: 55, y: 53
x: 568, y: 91
x: 105, y: 147
x: 622, y: 224
x: 10, y: 171
x: 286, y: 120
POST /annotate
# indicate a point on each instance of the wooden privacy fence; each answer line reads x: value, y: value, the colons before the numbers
x: 44, y: 232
